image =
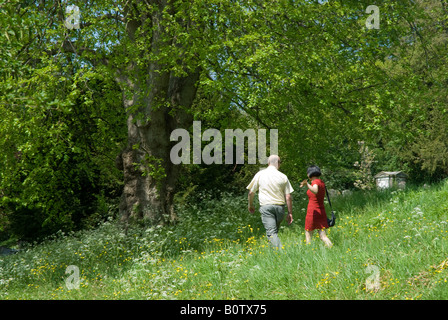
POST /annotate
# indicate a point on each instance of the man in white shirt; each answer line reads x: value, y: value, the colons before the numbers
x: 274, y: 191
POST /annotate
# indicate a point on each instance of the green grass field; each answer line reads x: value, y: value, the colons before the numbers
x: 387, y: 245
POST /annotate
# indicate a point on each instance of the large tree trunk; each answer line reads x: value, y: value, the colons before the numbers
x: 149, y: 175
x: 158, y: 106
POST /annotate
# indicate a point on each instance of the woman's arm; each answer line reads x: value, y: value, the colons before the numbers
x: 314, y: 189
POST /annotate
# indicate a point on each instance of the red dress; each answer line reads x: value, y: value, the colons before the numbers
x: 316, y: 217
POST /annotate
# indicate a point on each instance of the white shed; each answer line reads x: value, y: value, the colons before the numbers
x: 388, y: 179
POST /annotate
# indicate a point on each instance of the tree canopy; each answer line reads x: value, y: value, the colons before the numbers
x: 87, y: 112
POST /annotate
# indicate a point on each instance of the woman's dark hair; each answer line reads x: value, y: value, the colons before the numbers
x: 313, y: 171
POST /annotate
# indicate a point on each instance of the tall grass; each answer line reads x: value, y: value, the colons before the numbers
x: 219, y: 251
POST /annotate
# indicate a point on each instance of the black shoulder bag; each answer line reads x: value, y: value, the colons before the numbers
x: 332, y: 221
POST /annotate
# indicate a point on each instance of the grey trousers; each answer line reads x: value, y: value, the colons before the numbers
x: 271, y: 216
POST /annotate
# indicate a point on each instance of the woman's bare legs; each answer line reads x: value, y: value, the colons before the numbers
x: 308, y: 236
x: 324, y: 238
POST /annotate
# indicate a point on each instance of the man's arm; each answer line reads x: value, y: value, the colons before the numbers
x: 250, y: 198
x: 289, y: 205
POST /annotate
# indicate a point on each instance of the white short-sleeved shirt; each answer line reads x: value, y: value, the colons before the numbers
x: 272, y: 185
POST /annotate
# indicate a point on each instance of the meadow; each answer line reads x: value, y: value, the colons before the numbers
x: 387, y: 245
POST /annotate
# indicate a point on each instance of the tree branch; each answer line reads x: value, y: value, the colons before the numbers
x: 115, y: 17
x: 70, y: 47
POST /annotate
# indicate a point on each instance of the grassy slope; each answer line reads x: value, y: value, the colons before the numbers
x: 218, y: 251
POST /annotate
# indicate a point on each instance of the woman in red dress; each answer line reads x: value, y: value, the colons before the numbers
x: 316, y: 217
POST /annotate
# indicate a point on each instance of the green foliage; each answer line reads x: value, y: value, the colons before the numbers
x: 412, y: 118
x: 316, y: 73
x: 58, y: 163
x: 61, y: 129
x: 310, y: 69
x: 429, y: 149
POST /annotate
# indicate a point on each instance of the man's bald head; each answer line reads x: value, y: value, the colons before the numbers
x: 274, y: 160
